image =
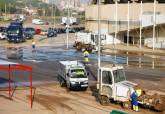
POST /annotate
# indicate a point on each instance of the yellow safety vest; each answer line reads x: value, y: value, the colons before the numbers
x: 86, y: 54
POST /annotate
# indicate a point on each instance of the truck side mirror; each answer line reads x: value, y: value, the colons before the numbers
x: 87, y: 73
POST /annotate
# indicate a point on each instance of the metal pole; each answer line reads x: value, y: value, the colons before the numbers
x: 31, y: 87
x: 154, y: 24
x: 128, y: 25
x: 52, y: 12
x: 5, y: 12
x: 153, y: 62
x: 141, y: 10
x: 9, y: 78
x: 67, y: 28
x: 116, y: 18
x: 99, y: 33
x: 127, y: 59
x: 54, y: 16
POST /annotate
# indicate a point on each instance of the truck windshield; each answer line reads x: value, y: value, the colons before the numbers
x: 13, y: 31
x: 119, y: 75
x: 78, y: 73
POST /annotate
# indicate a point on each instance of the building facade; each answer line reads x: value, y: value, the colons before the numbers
x: 127, y: 21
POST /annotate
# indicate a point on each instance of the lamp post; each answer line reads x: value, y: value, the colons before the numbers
x: 141, y: 11
x: 128, y: 24
x: 154, y: 24
x: 67, y: 26
x: 116, y: 22
x: 99, y: 36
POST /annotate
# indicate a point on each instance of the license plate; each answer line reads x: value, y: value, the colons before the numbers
x: 84, y: 85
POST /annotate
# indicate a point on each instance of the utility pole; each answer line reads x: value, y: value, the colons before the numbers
x: 67, y: 27
x: 141, y: 11
x: 116, y: 22
x: 154, y: 24
x: 5, y: 12
x: 52, y: 12
x: 128, y: 24
x: 54, y: 16
x: 99, y: 37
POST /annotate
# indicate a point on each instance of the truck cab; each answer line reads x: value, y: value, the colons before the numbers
x: 87, y: 40
x: 113, y: 85
x: 77, y: 78
x: 15, y: 32
x: 73, y: 74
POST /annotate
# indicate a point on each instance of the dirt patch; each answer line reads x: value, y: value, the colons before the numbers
x: 52, y: 102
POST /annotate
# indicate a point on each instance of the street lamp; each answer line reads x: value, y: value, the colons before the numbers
x: 67, y: 26
x: 99, y: 36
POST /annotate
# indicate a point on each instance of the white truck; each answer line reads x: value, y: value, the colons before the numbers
x: 89, y: 41
x: 114, y: 86
x: 73, y: 74
x: 70, y: 20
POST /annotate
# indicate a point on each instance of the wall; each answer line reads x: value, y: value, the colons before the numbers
x: 108, y: 13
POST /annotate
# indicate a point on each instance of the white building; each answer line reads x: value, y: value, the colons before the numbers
x: 122, y: 21
x: 72, y: 4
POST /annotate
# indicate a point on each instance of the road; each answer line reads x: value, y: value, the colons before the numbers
x: 46, y: 72
x: 56, y: 100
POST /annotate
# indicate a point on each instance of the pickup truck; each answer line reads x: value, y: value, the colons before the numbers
x: 73, y: 74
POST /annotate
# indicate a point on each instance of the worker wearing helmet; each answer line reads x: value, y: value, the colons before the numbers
x: 86, y: 54
x: 134, y: 99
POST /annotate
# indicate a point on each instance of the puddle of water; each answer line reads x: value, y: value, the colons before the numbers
x: 57, y: 54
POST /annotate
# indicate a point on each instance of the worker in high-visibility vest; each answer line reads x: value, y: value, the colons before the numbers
x: 86, y: 54
x: 33, y: 44
x: 134, y: 99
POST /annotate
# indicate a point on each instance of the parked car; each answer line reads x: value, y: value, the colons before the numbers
x: 30, y: 30
x: 61, y: 30
x: 71, y: 30
x: 29, y: 33
x: 37, y: 31
x: 38, y: 22
x: 51, y: 33
x: 3, y: 33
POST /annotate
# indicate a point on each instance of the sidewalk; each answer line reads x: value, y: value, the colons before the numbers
x: 133, y: 49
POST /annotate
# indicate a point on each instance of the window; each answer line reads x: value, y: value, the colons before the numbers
x: 106, y: 77
x: 78, y: 73
x: 92, y: 37
x: 119, y: 75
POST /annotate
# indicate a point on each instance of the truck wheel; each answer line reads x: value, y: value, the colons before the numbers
x: 104, y: 100
x: 62, y: 83
x: 68, y: 86
x: 126, y: 105
x: 84, y: 89
x: 79, y: 47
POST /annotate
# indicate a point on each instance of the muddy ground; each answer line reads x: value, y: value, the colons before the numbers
x: 52, y: 99
x: 49, y: 98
